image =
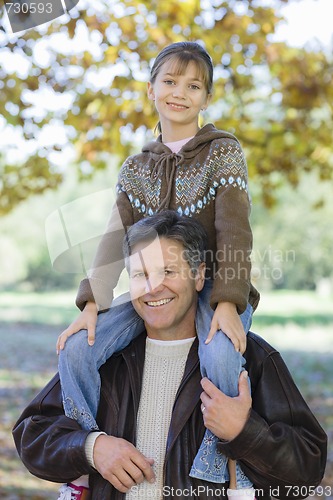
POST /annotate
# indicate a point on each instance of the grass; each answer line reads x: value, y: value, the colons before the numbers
x: 298, y: 324
x: 53, y: 308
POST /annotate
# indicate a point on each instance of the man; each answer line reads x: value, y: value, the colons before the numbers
x: 274, y: 436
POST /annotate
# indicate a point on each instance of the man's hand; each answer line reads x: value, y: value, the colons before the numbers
x: 86, y: 320
x: 226, y: 319
x: 120, y: 463
x: 225, y: 416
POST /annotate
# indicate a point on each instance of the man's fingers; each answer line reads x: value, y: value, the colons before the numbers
x: 243, y: 385
x: 129, y: 474
x: 145, y: 466
x: 141, y: 472
x: 210, y: 389
x: 126, y: 479
x: 149, y: 473
x: 122, y: 483
x: 120, y: 463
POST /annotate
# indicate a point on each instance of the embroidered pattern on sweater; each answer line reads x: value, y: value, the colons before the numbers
x: 136, y: 182
x: 195, y: 184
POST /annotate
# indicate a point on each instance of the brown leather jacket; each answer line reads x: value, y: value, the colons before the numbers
x: 282, y: 448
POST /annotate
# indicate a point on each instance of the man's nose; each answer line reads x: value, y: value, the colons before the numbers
x: 154, y: 281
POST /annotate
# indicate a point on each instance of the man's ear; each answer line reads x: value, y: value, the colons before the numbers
x: 150, y: 92
x: 200, y: 277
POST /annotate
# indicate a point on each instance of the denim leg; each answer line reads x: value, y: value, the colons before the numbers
x: 219, y: 362
x: 79, y: 363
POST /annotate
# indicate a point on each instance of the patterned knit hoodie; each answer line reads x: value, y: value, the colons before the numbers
x: 206, y: 180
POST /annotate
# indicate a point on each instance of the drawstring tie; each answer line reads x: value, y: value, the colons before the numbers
x: 167, y: 162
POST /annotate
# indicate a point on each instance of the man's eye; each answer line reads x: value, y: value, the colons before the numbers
x: 138, y: 275
x: 169, y: 272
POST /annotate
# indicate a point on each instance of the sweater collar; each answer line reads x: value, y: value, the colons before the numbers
x: 165, y: 162
x: 205, y: 135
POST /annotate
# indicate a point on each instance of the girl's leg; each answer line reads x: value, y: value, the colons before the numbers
x: 79, y: 363
x: 221, y: 363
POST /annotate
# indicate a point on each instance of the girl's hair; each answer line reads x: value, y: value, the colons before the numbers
x: 182, y: 53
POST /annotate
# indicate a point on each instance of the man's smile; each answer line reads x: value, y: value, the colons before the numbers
x: 161, y: 302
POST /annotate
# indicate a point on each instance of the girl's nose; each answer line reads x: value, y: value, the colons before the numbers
x: 179, y: 92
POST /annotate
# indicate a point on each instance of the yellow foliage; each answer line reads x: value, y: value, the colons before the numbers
x: 276, y: 99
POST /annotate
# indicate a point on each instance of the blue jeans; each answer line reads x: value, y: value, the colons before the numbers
x: 79, y: 362
x: 116, y: 328
x: 222, y: 364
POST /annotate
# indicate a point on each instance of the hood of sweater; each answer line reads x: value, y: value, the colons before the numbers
x: 206, y: 134
x: 165, y: 160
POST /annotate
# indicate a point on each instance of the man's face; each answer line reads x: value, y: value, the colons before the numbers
x: 163, y: 289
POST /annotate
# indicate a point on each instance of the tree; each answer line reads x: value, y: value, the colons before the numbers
x: 94, y: 66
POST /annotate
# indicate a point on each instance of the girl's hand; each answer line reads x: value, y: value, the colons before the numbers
x: 226, y: 318
x: 86, y: 320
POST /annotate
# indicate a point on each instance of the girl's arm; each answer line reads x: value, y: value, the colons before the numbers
x: 226, y: 319
x: 234, y: 245
x: 109, y: 262
x: 96, y: 291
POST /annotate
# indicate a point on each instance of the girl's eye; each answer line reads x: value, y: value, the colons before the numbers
x: 194, y: 87
x: 168, y: 82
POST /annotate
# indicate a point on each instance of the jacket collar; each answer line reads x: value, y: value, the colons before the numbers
x: 187, y: 397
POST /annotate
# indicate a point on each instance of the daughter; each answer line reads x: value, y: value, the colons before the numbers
x: 200, y: 173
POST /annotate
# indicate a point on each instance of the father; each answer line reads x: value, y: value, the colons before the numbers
x: 154, y: 405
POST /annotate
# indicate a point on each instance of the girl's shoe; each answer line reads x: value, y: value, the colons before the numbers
x: 72, y: 492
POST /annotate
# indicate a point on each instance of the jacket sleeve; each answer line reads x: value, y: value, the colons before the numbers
x: 108, y: 263
x: 233, y: 231
x: 51, y: 445
x: 282, y: 447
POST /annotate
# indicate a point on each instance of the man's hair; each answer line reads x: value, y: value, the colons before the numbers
x: 169, y: 224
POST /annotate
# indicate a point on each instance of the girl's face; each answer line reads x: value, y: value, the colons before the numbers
x: 178, y: 99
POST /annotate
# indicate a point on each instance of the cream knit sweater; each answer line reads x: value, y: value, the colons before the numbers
x: 163, y: 371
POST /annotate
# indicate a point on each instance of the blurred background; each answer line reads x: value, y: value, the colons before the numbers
x: 73, y: 106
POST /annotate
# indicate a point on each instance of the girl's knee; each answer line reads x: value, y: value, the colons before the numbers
x: 220, y: 358
x: 75, y: 346
x: 220, y: 346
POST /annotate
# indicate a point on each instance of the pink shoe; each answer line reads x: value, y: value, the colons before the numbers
x: 72, y: 492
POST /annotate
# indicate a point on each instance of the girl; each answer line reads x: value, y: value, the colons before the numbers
x: 200, y: 173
